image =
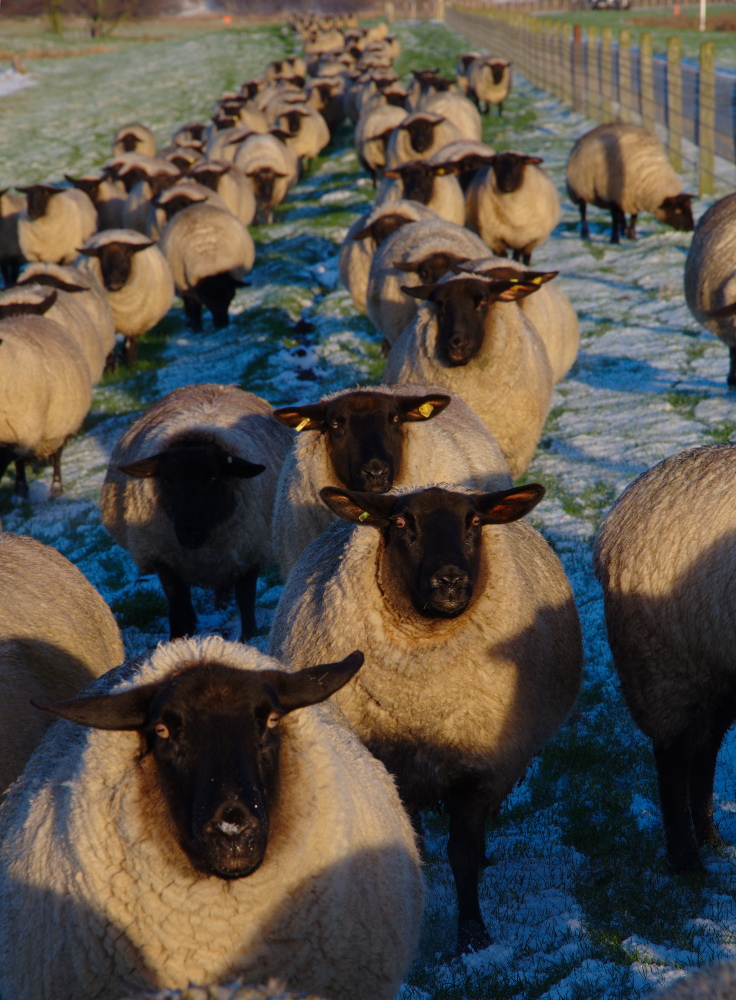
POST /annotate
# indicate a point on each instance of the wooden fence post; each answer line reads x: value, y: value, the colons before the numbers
x: 578, y: 70
x: 624, y: 75
x: 647, y: 81
x: 707, y: 117
x: 567, y: 64
x: 592, y: 80
x: 606, y: 75
x: 674, y: 101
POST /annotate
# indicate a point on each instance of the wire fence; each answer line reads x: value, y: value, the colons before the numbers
x: 691, y: 103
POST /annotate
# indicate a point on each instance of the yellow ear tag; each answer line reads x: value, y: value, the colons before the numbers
x: 426, y: 410
x: 302, y: 424
x: 537, y: 280
x: 364, y: 515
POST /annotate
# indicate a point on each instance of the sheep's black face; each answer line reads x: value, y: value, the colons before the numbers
x: 129, y: 142
x: 432, y: 268
x: 677, y: 212
x: 116, y: 261
x: 418, y: 181
x: 421, y: 134
x: 497, y: 71
x: 365, y: 433
x: 509, y: 171
x: 263, y: 183
x: 38, y: 199
x: 214, y: 734
x: 431, y: 551
x: 461, y: 316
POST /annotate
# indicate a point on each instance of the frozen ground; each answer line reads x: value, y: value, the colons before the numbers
x: 578, y: 898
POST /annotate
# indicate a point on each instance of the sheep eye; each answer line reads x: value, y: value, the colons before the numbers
x: 395, y: 418
x: 400, y: 522
x: 475, y: 520
x: 273, y: 720
x: 335, y: 425
x: 161, y: 730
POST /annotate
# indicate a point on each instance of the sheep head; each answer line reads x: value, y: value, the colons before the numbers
x: 676, y: 211
x: 213, y: 732
x: 508, y: 170
x: 116, y: 260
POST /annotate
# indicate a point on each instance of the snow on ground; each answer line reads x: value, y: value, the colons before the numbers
x: 11, y: 81
x: 577, y: 895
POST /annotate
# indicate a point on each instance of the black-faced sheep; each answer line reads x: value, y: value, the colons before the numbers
x: 55, y: 222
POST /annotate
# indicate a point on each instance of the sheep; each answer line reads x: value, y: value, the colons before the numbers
x: 418, y: 136
x: 272, y: 169
x: 713, y: 982
x: 489, y: 82
x: 107, y: 194
x: 67, y: 312
x: 224, y: 143
x: 476, y: 341
x: 56, y: 635
x: 432, y: 184
x: 372, y: 133
x: 325, y: 94
x: 56, y: 221
x: 45, y: 389
x: 549, y: 310
x: 307, y: 131
x: 462, y: 70
x: 211, y: 821
x: 710, y: 275
x: 365, y: 235
x: 417, y: 254
x: 456, y: 109
x: 144, y: 181
x: 513, y: 205
x: 136, y: 278
x: 624, y: 168
x: 208, y: 252
x: 175, y: 495
x: 231, y: 184
x: 272, y: 990
x: 183, y: 194
x: 85, y: 289
x: 11, y: 256
x: 134, y: 138
x: 374, y: 438
x: 664, y: 556
x: 472, y: 646
x: 183, y: 157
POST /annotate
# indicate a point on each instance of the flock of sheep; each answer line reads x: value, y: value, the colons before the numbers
x: 206, y: 811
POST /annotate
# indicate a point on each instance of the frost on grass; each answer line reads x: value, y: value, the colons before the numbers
x: 577, y: 894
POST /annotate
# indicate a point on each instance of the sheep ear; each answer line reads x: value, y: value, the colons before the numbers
x: 10, y: 309
x: 415, y: 408
x: 511, y: 290
x: 533, y: 159
x: 420, y: 291
x: 393, y: 174
x: 444, y: 169
x: 374, y: 509
x: 137, y: 247
x: 303, y: 418
x: 145, y: 468
x: 509, y: 505
x: 124, y: 711
x: 723, y: 312
x: 240, y: 468
x: 90, y: 251
x: 314, y: 684
x: 407, y: 266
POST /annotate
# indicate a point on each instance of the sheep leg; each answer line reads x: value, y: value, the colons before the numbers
x: 245, y: 597
x: 57, y: 487
x: 584, y: 230
x: 130, y: 351
x: 526, y: 258
x: 732, y: 368
x: 466, y: 853
x: 6, y: 457
x: 702, y: 774
x: 193, y: 313
x: 616, y: 223
x: 182, y: 619
x: 673, y: 771
x: 631, y: 230
x: 500, y: 109
x: 516, y: 255
x: 21, y: 483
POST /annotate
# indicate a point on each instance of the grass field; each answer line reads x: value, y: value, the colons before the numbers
x: 578, y: 898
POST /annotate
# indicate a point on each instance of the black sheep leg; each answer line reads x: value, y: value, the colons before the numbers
x: 466, y: 853
x: 6, y: 457
x: 618, y: 222
x: 57, y: 487
x: 702, y: 775
x: 732, y: 367
x: 631, y: 229
x: 182, y: 619
x: 21, y: 483
x: 245, y: 596
x: 674, y: 762
x: 584, y: 230
x: 193, y: 313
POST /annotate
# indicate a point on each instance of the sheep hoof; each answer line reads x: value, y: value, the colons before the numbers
x: 472, y: 936
x: 56, y: 490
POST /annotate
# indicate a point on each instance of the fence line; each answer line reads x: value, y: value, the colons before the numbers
x: 606, y: 79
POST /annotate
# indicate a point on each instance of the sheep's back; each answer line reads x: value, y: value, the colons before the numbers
x: 710, y: 268
x: 201, y: 241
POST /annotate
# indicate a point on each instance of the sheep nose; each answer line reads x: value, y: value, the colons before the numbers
x: 231, y: 820
x: 376, y: 475
x: 449, y: 578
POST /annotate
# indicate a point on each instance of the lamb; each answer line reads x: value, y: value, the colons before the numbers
x: 176, y: 495
x: 364, y: 237
x: 231, y: 184
x: 134, y: 138
x: 474, y: 339
x: 56, y: 221
x: 513, y: 205
x: 373, y: 438
x: 272, y: 169
x: 710, y: 275
x: 45, y: 388
x: 418, y: 136
x: 11, y: 256
x: 417, y: 254
x: 136, y: 278
x: 56, y: 635
x: 713, y: 982
x: 489, y: 82
x: 624, y: 168
x: 665, y: 558
x: 431, y: 184
x: 549, y: 309
x: 372, y: 133
x: 214, y: 822
x: 472, y: 648
x: 209, y: 252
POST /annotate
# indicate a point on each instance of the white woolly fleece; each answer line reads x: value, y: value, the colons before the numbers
x: 96, y: 901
